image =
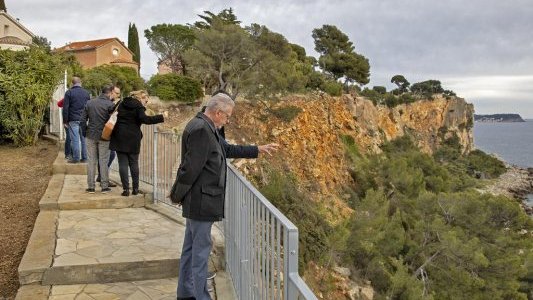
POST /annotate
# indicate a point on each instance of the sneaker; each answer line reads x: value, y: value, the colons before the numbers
x: 106, y: 190
x: 111, y: 184
x: 90, y: 191
x: 71, y: 161
x: 211, y: 275
x: 83, y: 161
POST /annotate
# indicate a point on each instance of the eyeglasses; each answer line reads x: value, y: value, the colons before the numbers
x: 228, y: 116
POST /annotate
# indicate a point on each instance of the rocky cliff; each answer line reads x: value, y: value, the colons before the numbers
x: 311, y: 142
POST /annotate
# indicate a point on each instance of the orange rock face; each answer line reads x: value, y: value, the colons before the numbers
x: 311, y: 142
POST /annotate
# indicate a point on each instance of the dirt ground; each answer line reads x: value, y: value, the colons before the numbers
x: 24, y: 174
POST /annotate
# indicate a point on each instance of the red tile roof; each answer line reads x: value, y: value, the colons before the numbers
x: 85, y: 45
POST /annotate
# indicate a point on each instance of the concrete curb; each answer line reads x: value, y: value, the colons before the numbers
x: 40, y: 250
x: 166, y: 211
x: 112, y: 272
x: 51, y: 195
x: 115, y: 202
x: 60, y: 166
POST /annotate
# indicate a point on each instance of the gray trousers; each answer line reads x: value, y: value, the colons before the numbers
x: 192, y: 280
x: 97, y: 150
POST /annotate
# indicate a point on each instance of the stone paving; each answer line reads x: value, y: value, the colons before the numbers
x: 115, y: 235
x: 104, y: 246
x: 162, y: 289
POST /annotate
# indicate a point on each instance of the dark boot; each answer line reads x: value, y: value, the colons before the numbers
x: 135, y: 191
x: 125, y: 193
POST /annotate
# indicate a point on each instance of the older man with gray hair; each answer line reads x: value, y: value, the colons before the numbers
x: 200, y: 187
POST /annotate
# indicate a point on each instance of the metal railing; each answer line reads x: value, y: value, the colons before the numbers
x: 261, y: 243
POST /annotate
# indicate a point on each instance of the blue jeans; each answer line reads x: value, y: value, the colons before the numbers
x: 76, y: 139
x: 197, y: 244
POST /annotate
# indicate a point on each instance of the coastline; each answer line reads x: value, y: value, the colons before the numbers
x: 516, y: 183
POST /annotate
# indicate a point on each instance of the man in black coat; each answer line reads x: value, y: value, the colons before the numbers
x: 200, y: 188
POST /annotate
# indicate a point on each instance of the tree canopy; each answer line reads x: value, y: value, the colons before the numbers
x: 401, y: 82
x: 254, y: 60
x: 125, y: 77
x: 226, y: 16
x: 337, y: 55
x: 43, y: 42
x: 169, y: 42
x: 133, y: 43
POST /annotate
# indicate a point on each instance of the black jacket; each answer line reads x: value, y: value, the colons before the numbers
x: 127, y: 135
x: 73, y: 104
x: 201, y: 177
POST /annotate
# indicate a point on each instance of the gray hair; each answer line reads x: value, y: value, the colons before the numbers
x: 219, y: 102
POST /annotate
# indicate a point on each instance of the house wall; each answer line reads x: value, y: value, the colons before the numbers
x: 104, y: 54
x: 87, y: 58
x: 13, y: 29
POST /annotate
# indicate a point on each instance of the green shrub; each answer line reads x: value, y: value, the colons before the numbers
x: 281, y: 189
x: 375, y: 96
x: 124, y: 77
x: 173, y: 87
x: 286, y: 113
x: 490, y: 166
x: 27, y: 81
x: 380, y: 89
x: 332, y: 88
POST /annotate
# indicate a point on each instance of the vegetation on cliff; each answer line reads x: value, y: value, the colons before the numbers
x: 420, y: 232
x: 390, y: 220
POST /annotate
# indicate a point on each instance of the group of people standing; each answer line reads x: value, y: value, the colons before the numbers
x: 85, y: 119
x: 201, y: 177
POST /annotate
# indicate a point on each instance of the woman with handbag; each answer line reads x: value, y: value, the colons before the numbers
x: 127, y: 135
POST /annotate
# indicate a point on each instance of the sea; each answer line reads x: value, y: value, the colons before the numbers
x: 511, y: 142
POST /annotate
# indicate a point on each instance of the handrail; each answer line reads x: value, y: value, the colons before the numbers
x: 261, y: 243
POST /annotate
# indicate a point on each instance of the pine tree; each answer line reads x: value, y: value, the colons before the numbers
x: 3, y: 6
x: 133, y: 43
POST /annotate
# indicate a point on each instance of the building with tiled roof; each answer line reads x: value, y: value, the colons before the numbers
x: 110, y: 51
x: 13, y: 35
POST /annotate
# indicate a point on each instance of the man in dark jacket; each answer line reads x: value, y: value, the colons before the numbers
x: 73, y: 105
x: 201, y: 183
x: 93, y: 119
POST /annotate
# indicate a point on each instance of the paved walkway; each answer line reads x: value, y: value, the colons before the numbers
x: 104, y: 246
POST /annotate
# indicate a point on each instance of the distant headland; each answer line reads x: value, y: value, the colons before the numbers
x: 498, y: 118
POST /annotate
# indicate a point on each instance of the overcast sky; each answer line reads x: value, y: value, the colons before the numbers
x: 481, y: 49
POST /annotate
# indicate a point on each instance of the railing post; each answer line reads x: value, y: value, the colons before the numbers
x: 154, y: 177
x: 291, y: 259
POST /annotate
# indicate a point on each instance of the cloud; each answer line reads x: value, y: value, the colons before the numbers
x: 450, y: 40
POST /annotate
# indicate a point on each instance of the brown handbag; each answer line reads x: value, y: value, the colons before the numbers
x: 110, y: 124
